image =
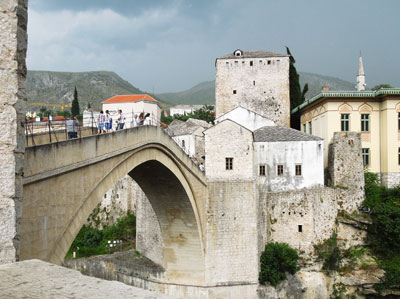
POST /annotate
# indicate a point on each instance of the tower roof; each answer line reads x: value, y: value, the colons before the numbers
x: 252, y: 54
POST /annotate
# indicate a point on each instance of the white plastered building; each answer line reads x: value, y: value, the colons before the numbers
x: 251, y: 148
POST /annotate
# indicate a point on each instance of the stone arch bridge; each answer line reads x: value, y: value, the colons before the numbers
x: 64, y: 182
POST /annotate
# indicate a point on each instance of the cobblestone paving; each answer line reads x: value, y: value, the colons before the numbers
x: 38, y: 279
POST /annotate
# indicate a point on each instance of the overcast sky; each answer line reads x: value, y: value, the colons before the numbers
x: 164, y: 45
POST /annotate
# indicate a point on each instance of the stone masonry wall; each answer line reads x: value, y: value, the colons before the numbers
x: 305, y: 217
x: 231, y: 233
x: 13, y: 44
x: 117, y: 202
x: 262, y: 87
x: 345, y: 161
x: 391, y: 179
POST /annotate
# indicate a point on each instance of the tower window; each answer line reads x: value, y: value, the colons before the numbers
x: 365, y: 156
x: 345, y: 122
x: 228, y: 163
x: 280, y: 169
x: 234, y: 91
x: 399, y: 155
x: 364, y: 122
x: 298, y: 169
x: 251, y: 63
x: 262, y: 170
x: 398, y: 116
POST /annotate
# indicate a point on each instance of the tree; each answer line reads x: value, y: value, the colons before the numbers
x: 275, y: 261
x: 305, y: 89
x: 75, y: 104
x: 205, y: 113
x: 379, y: 86
x: 296, y: 96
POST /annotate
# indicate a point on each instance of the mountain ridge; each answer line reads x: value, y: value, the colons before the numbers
x: 94, y: 87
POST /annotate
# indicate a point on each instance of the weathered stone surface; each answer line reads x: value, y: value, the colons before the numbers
x: 121, y: 199
x: 345, y: 161
x: 302, y: 285
x: 78, y: 173
x: 13, y: 18
x: 36, y: 279
x: 258, y: 84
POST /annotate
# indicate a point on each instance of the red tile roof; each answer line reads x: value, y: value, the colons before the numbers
x: 130, y: 98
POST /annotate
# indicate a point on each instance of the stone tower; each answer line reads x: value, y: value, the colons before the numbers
x: 361, y: 76
x: 256, y: 80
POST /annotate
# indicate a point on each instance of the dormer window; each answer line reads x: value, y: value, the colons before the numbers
x: 238, y: 53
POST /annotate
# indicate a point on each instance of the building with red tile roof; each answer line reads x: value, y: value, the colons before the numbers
x: 133, y: 104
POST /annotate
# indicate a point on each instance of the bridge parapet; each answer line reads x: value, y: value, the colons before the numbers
x: 54, y: 158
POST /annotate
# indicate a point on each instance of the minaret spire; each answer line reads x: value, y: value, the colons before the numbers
x: 361, y: 75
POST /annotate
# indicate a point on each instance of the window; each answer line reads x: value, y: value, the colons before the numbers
x: 300, y: 228
x: 365, y: 156
x: 260, y: 61
x: 399, y: 155
x: 269, y: 61
x: 228, y: 163
x: 227, y: 63
x: 305, y: 128
x: 364, y: 122
x: 398, y: 121
x: 236, y: 63
x: 262, y: 170
x: 298, y: 169
x: 310, y: 127
x: 234, y: 91
x: 344, y: 121
x: 183, y: 143
x: 278, y: 62
x: 251, y: 63
x: 254, y: 83
x: 280, y: 169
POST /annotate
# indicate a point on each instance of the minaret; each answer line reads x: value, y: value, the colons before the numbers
x: 361, y: 76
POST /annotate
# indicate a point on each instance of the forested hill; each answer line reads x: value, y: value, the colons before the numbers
x: 93, y: 87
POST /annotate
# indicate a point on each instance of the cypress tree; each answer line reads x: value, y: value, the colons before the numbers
x: 296, y: 95
x: 75, y: 104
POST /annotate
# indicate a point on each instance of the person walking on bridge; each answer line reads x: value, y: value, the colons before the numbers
x: 100, y: 122
x: 121, y: 120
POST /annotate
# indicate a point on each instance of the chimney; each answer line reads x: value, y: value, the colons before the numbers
x: 325, y: 88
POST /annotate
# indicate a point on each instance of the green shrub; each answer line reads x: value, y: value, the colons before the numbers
x: 92, y: 241
x: 276, y: 260
x: 329, y: 253
x: 384, y: 232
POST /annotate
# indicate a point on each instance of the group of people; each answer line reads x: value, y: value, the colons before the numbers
x: 105, y: 121
x: 141, y: 120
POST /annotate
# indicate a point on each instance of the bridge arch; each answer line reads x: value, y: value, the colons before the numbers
x: 175, y: 202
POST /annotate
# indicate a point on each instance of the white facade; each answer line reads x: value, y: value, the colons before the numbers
x: 187, y: 143
x: 183, y: 109
x: 129, y: 109
x: 235, y: 153
x: 306, y: 155
x: 246, y: 118
x: 257, y: 80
